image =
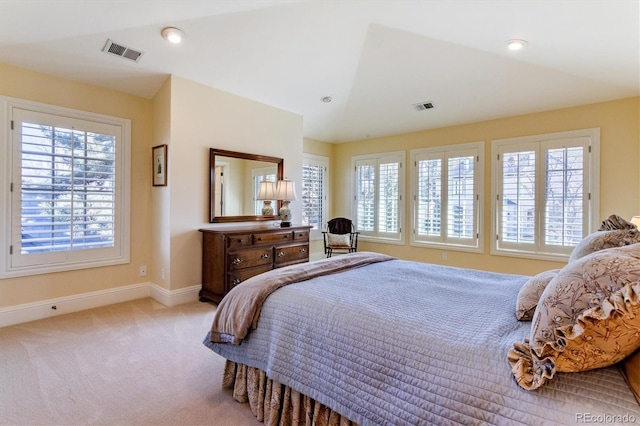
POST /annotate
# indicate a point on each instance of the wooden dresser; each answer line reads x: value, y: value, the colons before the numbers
x: 232, y: 255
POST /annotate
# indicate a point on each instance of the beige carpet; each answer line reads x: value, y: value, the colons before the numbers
x: 137, y: 362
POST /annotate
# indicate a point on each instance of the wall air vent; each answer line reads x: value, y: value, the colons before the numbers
x: 423, y: 106
x: 123, y: 51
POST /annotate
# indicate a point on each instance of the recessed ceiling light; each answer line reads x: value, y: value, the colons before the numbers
x: 173, y: 35
x: 326, y: 99
x: 516, y: 44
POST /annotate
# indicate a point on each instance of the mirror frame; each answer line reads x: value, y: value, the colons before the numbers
x: 213, y: 152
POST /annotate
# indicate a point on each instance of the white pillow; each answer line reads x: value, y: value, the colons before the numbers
x: 339, y: 240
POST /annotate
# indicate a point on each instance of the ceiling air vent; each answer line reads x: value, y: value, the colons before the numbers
x: 123, y: 51
x: 423, y: 106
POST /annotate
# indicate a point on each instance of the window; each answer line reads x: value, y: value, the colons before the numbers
x: 68, y: 195
x: 379, y: 185
x: 315, y: 177
x: 546, y: 192
x: 447, y: 196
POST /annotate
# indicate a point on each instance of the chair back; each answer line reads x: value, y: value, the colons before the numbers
x: 340, y: 225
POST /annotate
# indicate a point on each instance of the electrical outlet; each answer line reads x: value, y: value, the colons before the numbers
x: 143, y: 271
x: 444, y: 255
x: 162, y: 274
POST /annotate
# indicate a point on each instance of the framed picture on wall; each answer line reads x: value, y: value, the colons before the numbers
x: 159, y: 157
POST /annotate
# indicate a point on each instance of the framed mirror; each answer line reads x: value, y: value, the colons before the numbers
x: 234, y: 179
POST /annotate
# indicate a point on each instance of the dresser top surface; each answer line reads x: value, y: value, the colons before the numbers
x: 254, y: 228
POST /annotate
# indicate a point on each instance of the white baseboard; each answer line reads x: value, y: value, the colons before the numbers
x: 175, y: 297
x: 79, y: 302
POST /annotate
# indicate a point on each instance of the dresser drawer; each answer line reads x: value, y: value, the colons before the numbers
x: 291, y: 253
x: 299, y: 236
x: 273, y: 238
x: 238, y: 241
x: 237, y: 277
x: 249, y: 258
x: 231, y: 255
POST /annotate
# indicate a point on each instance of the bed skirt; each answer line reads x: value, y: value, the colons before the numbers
x: 276, y: 404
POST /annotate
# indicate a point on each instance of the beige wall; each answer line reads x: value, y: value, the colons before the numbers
x: 316, y: 147
x: 160, y: 268
x: 203, y: 118
x: 33, y: 86
x: 619, y: 166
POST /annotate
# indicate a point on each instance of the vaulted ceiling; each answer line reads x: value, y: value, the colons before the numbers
x: 375, y: 58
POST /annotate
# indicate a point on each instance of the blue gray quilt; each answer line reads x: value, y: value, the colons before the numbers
x: 409, y: 343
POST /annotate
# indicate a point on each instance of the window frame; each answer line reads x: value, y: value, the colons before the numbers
x: 377, y: 159
x: 319, y: 161
x: 446, y: 152
x: 591, y: 193
x: 10, y: 166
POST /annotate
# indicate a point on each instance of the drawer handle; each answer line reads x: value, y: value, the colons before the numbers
x: 259, y: 238
x: 236, y: 261
x: 236, y: 281
x: 285, y: 236
x: 264, y: 256
x: 281, y: 254
x: 303, y: 250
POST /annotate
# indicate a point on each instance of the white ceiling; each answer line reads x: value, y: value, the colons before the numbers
x: 375, y: 58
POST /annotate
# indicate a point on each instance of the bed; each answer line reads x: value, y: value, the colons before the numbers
x: 372, y: 340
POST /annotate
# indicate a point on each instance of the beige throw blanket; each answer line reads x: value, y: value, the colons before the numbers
x: 238, y: 312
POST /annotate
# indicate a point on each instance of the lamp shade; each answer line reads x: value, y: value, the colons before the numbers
x: 286, y: 190
x: 267, y: 191
x: 636, y: 221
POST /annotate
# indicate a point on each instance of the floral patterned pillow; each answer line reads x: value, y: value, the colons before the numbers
x: 615, y: 222
x: 600, y: 240
x: 530, y: 293
x: 588, y: 317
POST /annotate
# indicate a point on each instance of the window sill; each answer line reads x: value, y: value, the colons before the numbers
x: 444, y: 246
x: 362, y: 238
x: 552, y: 257
x: 47, y: 269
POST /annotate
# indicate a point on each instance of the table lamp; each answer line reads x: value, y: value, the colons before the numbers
x: 267, y: 193
x: 286, y: 192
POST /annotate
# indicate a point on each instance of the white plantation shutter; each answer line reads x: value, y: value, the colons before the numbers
x: 366, y: 184
x: 69, y: 190
x: 518, y: 195
x: 446, y: 186
x: 546, y: 192
x: 314, y: 192
x: 566, y: 166
x: 388, y: 196
x: 461, y: 197
x: 429, y: 197
x: 379, y: 185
